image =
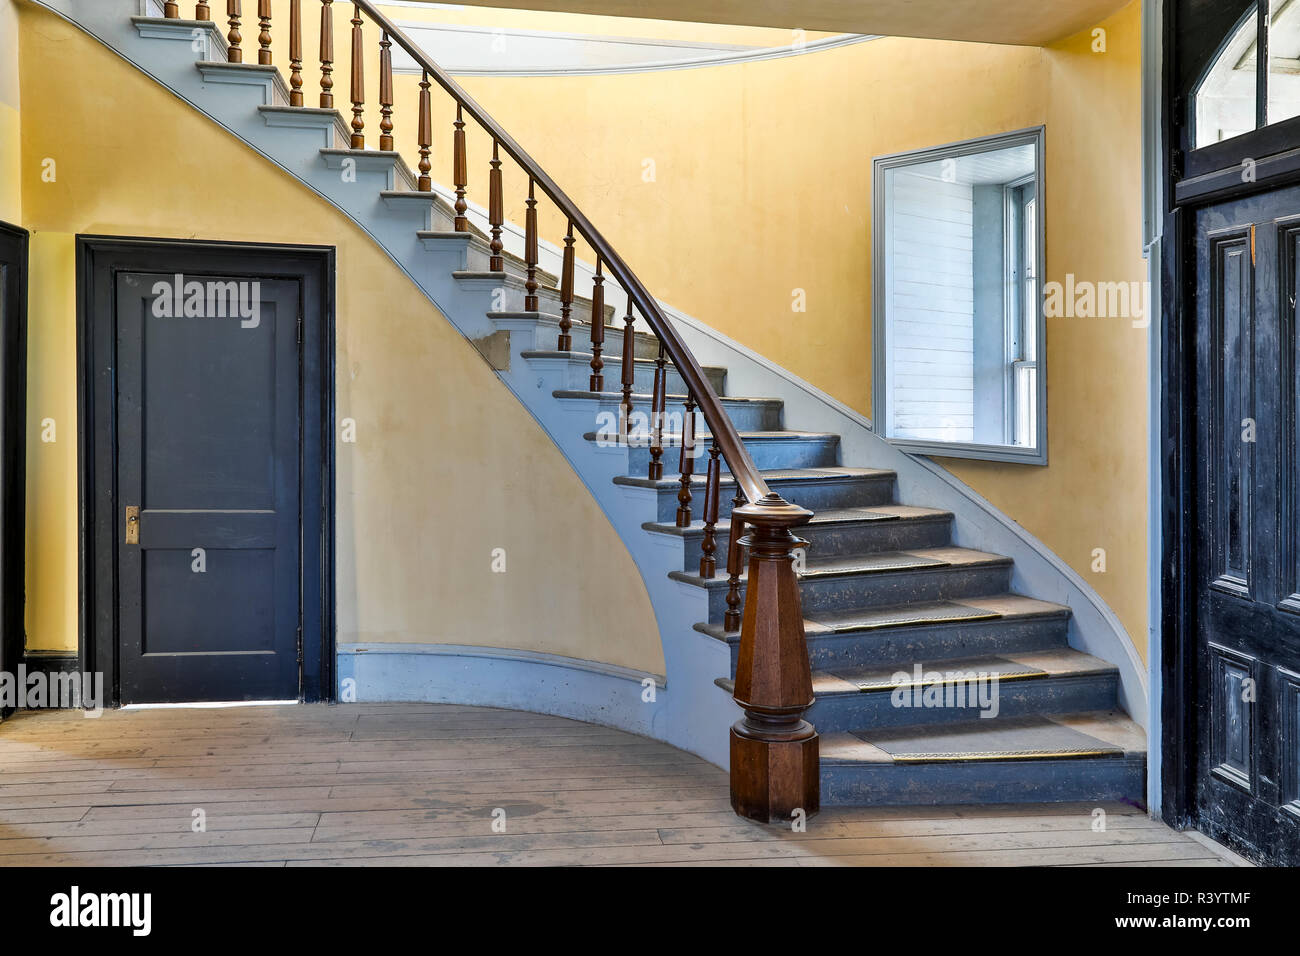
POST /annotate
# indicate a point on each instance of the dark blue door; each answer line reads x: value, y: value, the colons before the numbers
x: 1248, y: 525
x: 208, y: 473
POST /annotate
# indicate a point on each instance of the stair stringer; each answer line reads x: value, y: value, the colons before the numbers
x: 688, y: 711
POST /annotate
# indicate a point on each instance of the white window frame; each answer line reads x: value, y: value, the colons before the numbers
x: 881, y: 413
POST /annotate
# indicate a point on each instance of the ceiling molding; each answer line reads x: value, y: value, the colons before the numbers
x: 464, y: 50
x: 1022, y: 22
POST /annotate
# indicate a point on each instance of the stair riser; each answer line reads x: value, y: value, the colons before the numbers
x: 745, y: 416
x: 851, y: 592
x: 548, y: 298
x: 479, y: 259
x: 1015, y: 698
x: 644, y: 346
x: 464, y: 253
x: 810, y: 493
x: 1003, y: 781
x: 452, y: 255
x: 901, y: 646
x: 767, y: 454
x: 578, y: 375
x: 826, y: 541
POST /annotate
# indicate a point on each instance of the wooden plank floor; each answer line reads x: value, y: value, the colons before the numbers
x: 417, y: 785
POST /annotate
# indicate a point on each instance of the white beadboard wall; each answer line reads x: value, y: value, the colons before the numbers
x: 930, y: 296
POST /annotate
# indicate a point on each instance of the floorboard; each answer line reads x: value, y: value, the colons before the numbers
x: 422, y: 784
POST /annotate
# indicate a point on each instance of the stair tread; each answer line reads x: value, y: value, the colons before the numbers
x: 822, y: 473
x: 917, y: 559
x: 646, y: 397
x: 831, y: 516
x: 1094, y: 734
x: 586, y: 356
x: 997, y: 607
x: 704, y: 437
x: 1010, y: 606
x: 1027, y: 665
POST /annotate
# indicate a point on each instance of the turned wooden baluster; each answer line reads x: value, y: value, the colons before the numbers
x: 326, y: 55
x: 658, y: 403
x: 264, y: 32
x: 530, y: 251
x: 295, y: 52
x: 172, y: 10
x: 731, y: 620
x: 687, y: 464
x: 203, y: 12
x: 233, y: 11
x: 565, y: 343
x: 386, y: 94
x: 358, y: 81
x: 597, y: 328
x: 460, y: 171
x: 709, y: 546
x: 629, y: 373
x: 496, y: 213
x: 426, y: 135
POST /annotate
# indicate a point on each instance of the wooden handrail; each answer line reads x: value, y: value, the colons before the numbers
x: 733, y: 449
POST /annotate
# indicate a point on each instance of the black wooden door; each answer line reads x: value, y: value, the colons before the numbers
x: 13, y: 389
x: 208, y: 451
x: 1248, y: 525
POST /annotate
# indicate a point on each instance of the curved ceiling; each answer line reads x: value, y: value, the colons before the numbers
x: 1026, y: 22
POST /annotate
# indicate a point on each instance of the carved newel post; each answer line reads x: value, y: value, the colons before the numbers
x: 774, y: 751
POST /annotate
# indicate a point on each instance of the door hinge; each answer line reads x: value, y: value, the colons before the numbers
x: 300, y: 645
x: 300, y: 328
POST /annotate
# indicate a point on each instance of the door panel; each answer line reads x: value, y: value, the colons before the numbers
x: 208, y: 449
x: 1247, y: 631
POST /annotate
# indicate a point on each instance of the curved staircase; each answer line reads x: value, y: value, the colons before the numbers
x: 934, y: 681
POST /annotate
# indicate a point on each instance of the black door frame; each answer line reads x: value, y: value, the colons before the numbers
x: 99, y: 258
x: 1192, y: 35
x: 13, y: 473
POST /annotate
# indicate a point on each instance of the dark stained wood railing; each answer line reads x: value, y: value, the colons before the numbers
x: 386, y: 94
x: 327, y: 55
x: 426, y: 135
x: 234, y: 38
x: 774, y: 752
x: 264, y: 32
x: 686, y: 464
x: 598, y: 328
x: 658, y: 411
x: 530, y: 249
x: 358, y: 81
x: 625, y: 407
x: 565, y: 342
x: 295, y: 52
x: 712, y: 486
x: 496, y: 211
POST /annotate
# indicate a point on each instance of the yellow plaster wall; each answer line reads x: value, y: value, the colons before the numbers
x: 447, y: 464
x: 10, y: 151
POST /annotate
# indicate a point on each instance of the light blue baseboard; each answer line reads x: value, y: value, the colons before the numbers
x: 513, y: 679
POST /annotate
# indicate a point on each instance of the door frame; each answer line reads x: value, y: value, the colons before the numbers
x: 13, y: 477
x: 99, y: 258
